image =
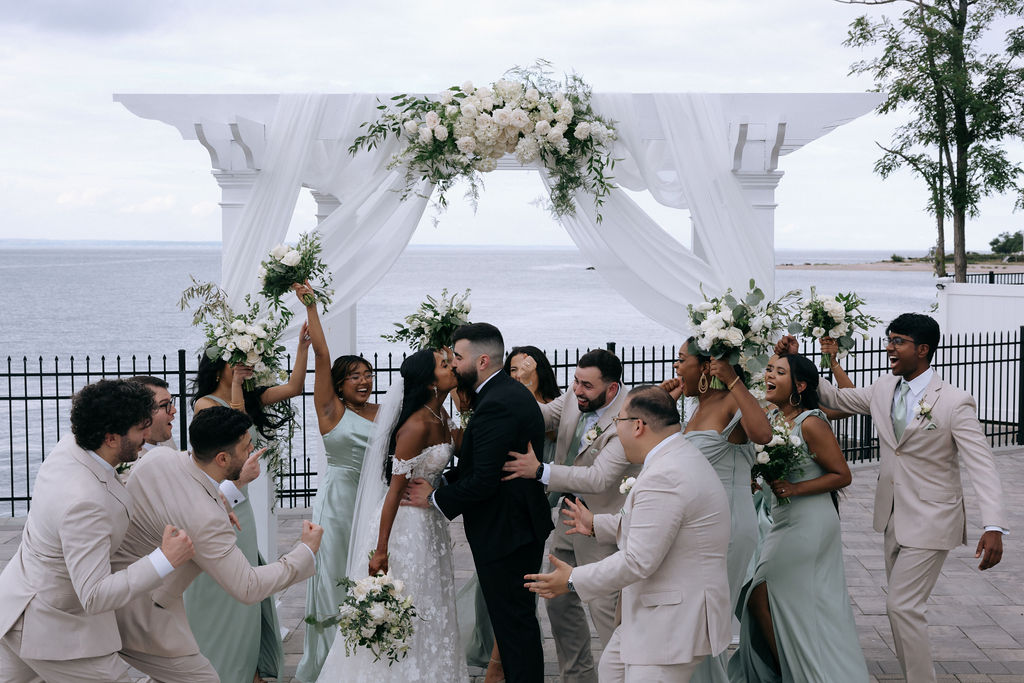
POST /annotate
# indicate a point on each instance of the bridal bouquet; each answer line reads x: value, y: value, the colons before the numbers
x: 838, y: 317
x: 376, y: 614
x: 285, y: 267
x: 782, y: 457
x: 740, y: 331
x: 463, y: 131
x: 434, y: 322
x: 248, y: 338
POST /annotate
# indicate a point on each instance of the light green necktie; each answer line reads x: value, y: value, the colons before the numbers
x: 570, y: 455
x: 899, y: 413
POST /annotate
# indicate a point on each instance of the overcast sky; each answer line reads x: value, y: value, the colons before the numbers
x: 76, y: 165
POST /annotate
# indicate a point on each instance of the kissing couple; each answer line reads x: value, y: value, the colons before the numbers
x: 404, y: 504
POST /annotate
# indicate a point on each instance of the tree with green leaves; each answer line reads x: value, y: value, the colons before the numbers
x: 1008, y: 243
x: 962, y: 104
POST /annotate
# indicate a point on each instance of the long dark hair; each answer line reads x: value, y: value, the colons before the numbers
x: 418, y: 374
x: 266, y: 418
x: 802, y: 369
x: 547, y: 385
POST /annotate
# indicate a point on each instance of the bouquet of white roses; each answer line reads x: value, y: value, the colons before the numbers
x: 741, y: 332
x: 434, y: 322
x: 376, y: 614
x: 838, y: 317
x: 465, y: 130
x: 249, y: 338
x: 286, y: 267
x: 782, y: 457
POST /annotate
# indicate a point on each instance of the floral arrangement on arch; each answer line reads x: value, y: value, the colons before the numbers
x: 463, y: 131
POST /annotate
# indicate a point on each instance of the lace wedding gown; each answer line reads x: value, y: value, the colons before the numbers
x: 420, y: 555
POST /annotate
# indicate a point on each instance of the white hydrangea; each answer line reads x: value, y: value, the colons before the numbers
x: 532, y: 96
x: 545, y: 111
x: 542, y: 128
x: 527, y: 149
x: 519, y: 118
x: 466, y: 144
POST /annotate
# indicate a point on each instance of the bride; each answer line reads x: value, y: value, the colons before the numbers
x: 413, y: 543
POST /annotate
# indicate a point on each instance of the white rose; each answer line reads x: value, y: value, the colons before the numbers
x: 411, y: 127
x: 432, y: 119
x: 292, y: 258
x: 486, y: 103
x: 469, y: 110
x: 259, y: 367
x: 532, y: 95
x: 252, y: 358
x: 467, y: 87
x: 219, y: 331
x: 734, y: 336
x: 835, y: 332
x: 818, y: 332
x: 367, y: 631
x: 279, y: 251
x: 762, y: 458
x: 451, y: 110
x: 243, y: 342
x: 445, y: 96
x: 259, y: 332
x: 582, y: 131
x: 399, y: 585
x: 777, y: 440
x: 466, y: 144
x: 794, y: 440
x: 426, y: 134
x: 237, y: 325
x: 519, y: 118
x: 703, y: 306
x: 230, y: 346
x: 542, y: 127
x: 441, y: 133
x: 222, y: 341
x: 502, y: 117
x: 261, y: 273
x: 227, y: 356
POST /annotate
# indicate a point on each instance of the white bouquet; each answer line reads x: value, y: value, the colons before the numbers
x: 838, y: 317
x: 782, y: 457
x: 376, y: 614
x: 248, y: 338
x: 463, y: 132
x: 741, y: 332
x: 434, y: 322
x: 285, y: 267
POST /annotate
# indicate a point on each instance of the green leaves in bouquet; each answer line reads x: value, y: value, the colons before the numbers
x: 434, y: 323
x: 278, y: 278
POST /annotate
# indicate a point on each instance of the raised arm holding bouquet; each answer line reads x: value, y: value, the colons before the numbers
x: 838, y: 317
x: 286, y: 267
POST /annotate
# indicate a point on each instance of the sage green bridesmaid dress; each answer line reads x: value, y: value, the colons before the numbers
x: 732, y: 463
x: 801, y: 564
x: 333, y: 508
x: 238, y: 639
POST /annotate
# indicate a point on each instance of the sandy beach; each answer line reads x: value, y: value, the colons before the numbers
x: 908, y: 266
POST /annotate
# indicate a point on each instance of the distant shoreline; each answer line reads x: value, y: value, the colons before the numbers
x: 907, y: 266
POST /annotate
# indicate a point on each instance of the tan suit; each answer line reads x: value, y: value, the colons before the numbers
x: 595, y: 472
x: 58, y: 594
x: 919, y: 502
x: 673, y: 535
x: 170, y: 489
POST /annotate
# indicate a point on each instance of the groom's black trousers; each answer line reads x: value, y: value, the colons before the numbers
x: 513, y: 612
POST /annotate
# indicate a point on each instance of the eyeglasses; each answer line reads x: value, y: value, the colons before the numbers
x: 166, y: 406
x: 356, y: 376
x: 617, y: 420
x: 897, y: 341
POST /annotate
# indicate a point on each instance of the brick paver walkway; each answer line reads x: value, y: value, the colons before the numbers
x: 976, y: 619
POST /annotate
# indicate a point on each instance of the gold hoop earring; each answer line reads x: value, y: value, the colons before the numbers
x: 799, y: 400
x: 703, y: 383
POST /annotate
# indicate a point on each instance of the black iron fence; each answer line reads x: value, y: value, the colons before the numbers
x: 35, y: 397
x: 994, y: 278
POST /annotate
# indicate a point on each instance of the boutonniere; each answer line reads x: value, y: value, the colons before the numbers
x: 923, y: 411
x: 626, y: 485
x: 464, y: 418
x: 592, y: 434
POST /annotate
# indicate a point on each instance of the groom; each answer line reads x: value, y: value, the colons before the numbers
x: 506, y: 522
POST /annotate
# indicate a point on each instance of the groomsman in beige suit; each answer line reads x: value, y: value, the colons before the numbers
x: 925, y: 428
x: 161, y: 432
x: 172, y: 484
x: 588, y: 460
x: 58, y: 593
x: 673, y: 535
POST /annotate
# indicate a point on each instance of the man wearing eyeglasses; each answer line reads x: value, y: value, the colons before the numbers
x: 925, y: 428
x: 161, y: 433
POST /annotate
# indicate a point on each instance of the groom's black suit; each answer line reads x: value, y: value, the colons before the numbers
x: 506, y: 523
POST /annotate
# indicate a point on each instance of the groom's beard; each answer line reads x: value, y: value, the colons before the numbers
x: 467, y: 381
x: 589, y: 405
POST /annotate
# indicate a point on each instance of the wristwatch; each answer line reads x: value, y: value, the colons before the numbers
x: 540, y: 471
x: 568, y: 583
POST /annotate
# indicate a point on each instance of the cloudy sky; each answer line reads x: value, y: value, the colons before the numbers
x: 76, y: 165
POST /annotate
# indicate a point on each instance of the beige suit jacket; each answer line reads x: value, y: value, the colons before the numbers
x: 170, y: 489
x: 919, y: 477
x: 60, y: 577
x: 598, y: 469
x: 673, y: 535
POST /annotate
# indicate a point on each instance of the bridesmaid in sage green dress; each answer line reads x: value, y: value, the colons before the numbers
x: 341, y: 394
x: 242, y: 642
x: 796, y: 623
x: 722, y: 428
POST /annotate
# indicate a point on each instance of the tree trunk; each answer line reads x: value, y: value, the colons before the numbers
x: 940, y: 244
x: 959, y: 248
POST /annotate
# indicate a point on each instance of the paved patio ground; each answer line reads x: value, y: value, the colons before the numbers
x: 976, y: 619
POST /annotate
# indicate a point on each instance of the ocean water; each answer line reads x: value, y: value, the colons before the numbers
x: 118, y: 300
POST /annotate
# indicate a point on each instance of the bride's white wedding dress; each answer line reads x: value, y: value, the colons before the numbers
x: 420, y: 554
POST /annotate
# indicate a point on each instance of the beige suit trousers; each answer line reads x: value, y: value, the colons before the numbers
x: 184, y: 669
x: 613, y: 670
x: 911, y: 573
x: 568, y: 620
x: 14, y: 669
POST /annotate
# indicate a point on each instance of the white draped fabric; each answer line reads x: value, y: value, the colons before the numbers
x: 674, y: 145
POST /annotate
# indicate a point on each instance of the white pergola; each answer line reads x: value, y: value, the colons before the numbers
x: 244, y: 136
